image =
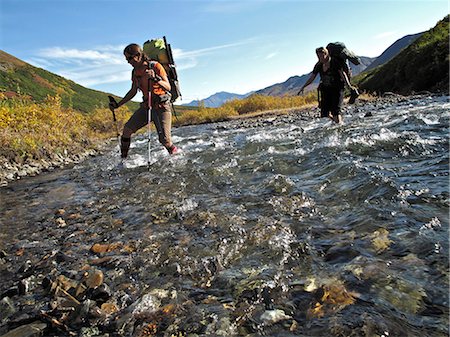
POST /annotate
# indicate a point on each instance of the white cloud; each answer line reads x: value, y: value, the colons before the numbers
x: 98, y: 76
x: 190, y: 59
x: 271, y: 55
x: 88, y: 67
x: 57, y: 52
x: 180, y: 54
x: 106, y: 64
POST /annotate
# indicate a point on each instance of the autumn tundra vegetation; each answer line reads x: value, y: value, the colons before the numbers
x: 34, y: 130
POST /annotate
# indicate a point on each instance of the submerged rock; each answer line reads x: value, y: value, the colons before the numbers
x: 34, y: 329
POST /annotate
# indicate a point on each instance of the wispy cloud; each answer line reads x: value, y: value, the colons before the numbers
x: 106, y: 64
x: 186, y: 59
x: 58, y: 52
x: 271, y: 55
x: 88, y: 67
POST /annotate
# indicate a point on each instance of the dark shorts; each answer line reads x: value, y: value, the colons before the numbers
x: 331, y: 99
x: 161, y: 117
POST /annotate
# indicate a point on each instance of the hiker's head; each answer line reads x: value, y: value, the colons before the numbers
x: 133, y: 53
x: 323, y: 54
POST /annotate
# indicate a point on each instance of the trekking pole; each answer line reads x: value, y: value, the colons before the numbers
x: 174, y: 112
x: 112, y: 100
x: 149, y: 126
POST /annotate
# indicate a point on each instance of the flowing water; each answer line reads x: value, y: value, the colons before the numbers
x: 288, y: 226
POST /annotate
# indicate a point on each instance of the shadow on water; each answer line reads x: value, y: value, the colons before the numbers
x: 289, y: 227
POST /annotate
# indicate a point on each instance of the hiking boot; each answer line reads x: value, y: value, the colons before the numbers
x: 173, y: 150
x: 353, y: 96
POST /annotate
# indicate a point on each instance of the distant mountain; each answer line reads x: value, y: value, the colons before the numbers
x: 365, y: 62
x: 422, y: 66
x: 393, y: 50
x: 217, y: 99
x: 289, y: 87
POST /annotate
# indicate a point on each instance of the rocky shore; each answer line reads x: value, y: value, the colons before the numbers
x: 11, y: 171
x: 363, y: 106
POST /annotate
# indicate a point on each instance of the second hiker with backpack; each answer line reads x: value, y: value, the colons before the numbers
x: 334, y: 76
x: 151, y: 79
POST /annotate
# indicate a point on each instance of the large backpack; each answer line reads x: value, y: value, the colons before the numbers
x: 159, y: 50
x: 339, y: 50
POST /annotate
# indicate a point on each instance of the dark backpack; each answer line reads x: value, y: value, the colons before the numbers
x: 159, y: 50
x: 339, y: 50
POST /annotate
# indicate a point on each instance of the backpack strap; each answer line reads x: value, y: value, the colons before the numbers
x: 151, y: 65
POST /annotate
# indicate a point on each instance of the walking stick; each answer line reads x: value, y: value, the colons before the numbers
x: 112, y: 100
x: 149, y: 126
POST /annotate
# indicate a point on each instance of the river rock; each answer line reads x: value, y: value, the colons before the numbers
x: 34, y: 329
x: 6, y: 308
x: 93, y: 278
x: 270, y: 317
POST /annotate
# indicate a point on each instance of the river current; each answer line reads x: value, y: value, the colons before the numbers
x: 283, y: 226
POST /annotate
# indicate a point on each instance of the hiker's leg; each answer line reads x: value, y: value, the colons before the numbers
x: 337, y: 99
x: 136, y: 121
x: 125, y: 141
x: 325, y: 105
x: 163, y: 122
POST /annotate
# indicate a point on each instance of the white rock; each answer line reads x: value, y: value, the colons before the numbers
x: 274, y: 316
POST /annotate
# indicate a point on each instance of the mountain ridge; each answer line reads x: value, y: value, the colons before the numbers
x: 393, y: 50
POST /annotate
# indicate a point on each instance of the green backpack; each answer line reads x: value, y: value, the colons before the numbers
x: 339, y: 50
x: 159, y: 50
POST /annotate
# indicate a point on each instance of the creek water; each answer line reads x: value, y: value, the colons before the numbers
x: 283, y: 226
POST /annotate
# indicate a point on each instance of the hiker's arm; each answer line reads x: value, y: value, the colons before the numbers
x: 308, y: 82
x: 345, y: 79
x: 163, y: 81
x: 130, y: 94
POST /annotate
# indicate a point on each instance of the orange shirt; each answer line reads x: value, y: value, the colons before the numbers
x: 159, y: 70
x: 139, y: 77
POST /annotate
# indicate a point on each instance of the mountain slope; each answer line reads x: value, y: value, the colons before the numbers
x: 293, y: 84
x: 423, y: 65
x: 216, y: 99
x: 393, y: 50
x: 365, y: 63
x: 289, y: 87
x: 19, y: 77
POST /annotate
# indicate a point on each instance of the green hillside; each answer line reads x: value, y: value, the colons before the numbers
x: 424, y: 65
x: 20, y: 78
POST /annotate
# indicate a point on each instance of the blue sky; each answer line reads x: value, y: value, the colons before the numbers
x: 234, y: 46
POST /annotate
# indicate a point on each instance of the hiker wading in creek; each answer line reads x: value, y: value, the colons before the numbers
x: 150, y: 78
x: 333, y: 79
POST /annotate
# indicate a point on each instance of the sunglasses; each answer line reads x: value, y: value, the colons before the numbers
x: 129, y: 58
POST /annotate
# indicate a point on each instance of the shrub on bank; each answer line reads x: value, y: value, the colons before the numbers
x: 30, y: 130
x: 236, y: 107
